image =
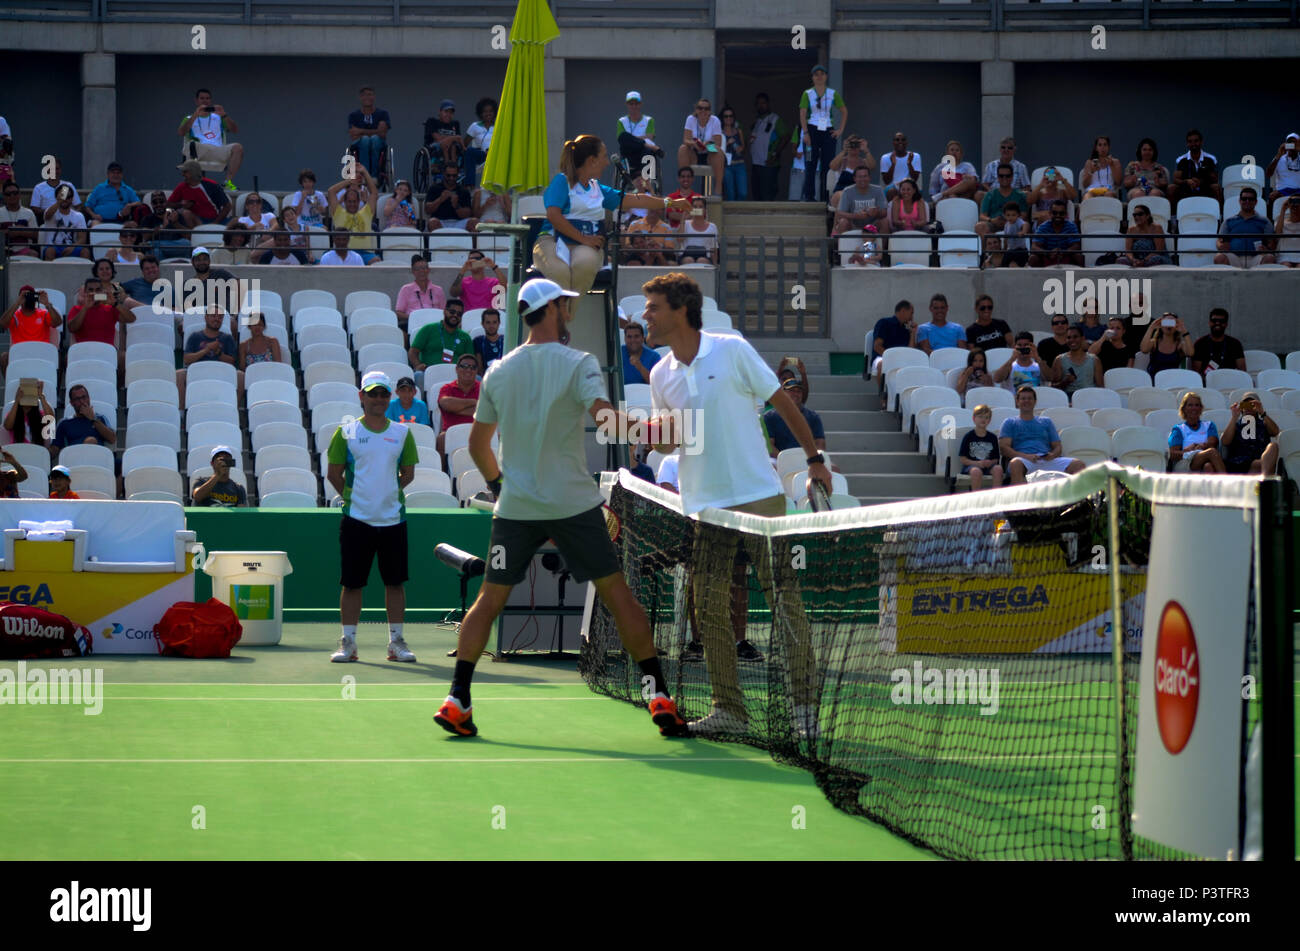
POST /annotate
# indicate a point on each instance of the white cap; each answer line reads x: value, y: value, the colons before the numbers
x: 61, y: 470
x: 376, y: 378
x: 197, y: 251
x: 539, y: 292
x: 218, y: 451
x: 631, y: 95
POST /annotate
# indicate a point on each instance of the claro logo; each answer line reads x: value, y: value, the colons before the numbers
x: 1178, y: 675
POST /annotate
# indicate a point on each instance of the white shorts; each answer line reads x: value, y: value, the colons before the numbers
x: 875, y: 365
x: 1244, y: 261
x: 1059, y: 464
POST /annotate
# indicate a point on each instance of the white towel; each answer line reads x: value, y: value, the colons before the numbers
x: 53, y: 531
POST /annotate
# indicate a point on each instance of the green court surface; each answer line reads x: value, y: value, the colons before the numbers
x: 279, y: 756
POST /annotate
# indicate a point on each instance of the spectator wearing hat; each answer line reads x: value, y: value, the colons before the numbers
x: 1287, y: 166
x: 61, y: 483
x: 200, y: 200
x: 635, y: 135
x: 204, y: 132
x: 112, y: 200
x: 45, y: 192
x: 211, y: 285
x: 368, y: 128
x: 779, y: 433
x: 371, y: 461
x: 458, y: 399
x: 69, y: 238
x: 407, y: 408
x: 442, y: 135
x: 817, y: 107
x: 218, y: 489
x: 1247, y: 445
x: 30, y: 318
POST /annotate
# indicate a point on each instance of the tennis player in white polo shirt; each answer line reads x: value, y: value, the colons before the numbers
x: 721, y: 379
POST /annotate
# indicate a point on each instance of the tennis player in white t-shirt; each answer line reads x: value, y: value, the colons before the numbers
x: 720, y: 380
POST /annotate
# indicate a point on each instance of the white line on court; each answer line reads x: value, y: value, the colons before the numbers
x: 110, y: 697
x: 494, y: 760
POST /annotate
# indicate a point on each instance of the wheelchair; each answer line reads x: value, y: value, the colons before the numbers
x: 383, y: 175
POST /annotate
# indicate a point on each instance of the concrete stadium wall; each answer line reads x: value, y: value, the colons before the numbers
x: 1264, y: 307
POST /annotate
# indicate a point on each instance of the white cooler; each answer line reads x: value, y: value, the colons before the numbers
x: 252, y: 583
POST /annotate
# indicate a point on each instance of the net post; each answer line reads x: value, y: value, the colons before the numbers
x: 1122, y: 804
x: 1277, y: 670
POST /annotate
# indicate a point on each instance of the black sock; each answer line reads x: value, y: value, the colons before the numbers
x: 650, y: 667
x: 460, y: 679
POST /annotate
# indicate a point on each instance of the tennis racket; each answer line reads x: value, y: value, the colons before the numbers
x: 612, y: 522
x: 817, y: 497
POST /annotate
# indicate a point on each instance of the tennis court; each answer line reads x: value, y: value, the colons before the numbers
x: 285, y: 767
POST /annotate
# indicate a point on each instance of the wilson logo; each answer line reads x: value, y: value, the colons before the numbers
x: 30, y: 627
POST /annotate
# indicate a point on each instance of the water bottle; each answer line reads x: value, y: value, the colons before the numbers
x: 1142, y: 181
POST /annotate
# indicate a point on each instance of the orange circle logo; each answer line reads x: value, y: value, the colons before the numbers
x: 1177, y: 678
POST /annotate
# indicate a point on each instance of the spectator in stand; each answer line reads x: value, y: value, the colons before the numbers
x: 1052, y: 188
x: 1287, y: 166
x: 898, y: 164
x: 234, y: 246
x: 1248, y: 447
x: 1243, y: 251
x: 25, y: 417
x: 407, y: 408
x: 289, y: 226
x: 311, y: 205
x: 855, y: 153
x: 100, y: 308
x: 1055, y: 345
x: 869, y: 253
x: 489, y: 207
x: 907, y: 211
x: 635, y: 134
x: 349, y: 214
x: 6, y: 152
x: 200, y: 200
x: 979, y: 451
x: 258, y: 347
x: 1288, y: 223
x: 976, y: 372
x: 1112, y: 349
x: 861, y: 205
x: 779, y: 433
x: 420, y: 294
x: 204, y: 132
x: 111, y: 200
x: 46, y: 192
x: 735, y: 182
x: 477, y: 280
x: 339, y: 253
x: 281, y: 253
x: 141, y: 288
x: 1196, y: 173
x: 953, y: 177
x: 448, y: 204
x: 442, y: 136
x: 70, y: 238
x: 1024, y: 365
x: 256, y: 217
x: 84, y: 426
x: 702, y: 144
x: 17, y: 223
x: 1076, y: 369
x: 211, y: 343
x: 1032, y: 443
x: 9, y: 478
x: 638, y: 359
x: 219, y: 489
x: 898, y: 330
x: 105, y: 270
x: 988, y: 331
x: 685, y: 190
x: 993, y: 203
x: 699, y: 243
x: 1090, y: 323
x: 215, y: 285
x: 368, y: 129
x: 442, y: 342
x: 768, y: 137
x: 164, y: 231
x: 1144, y: 243
x: 478, y: 137
x: 491, y: 346
x: 128, y: 253
x: 939, y: 333
x: 61, y: 483
x: 458, y: 399
x: 30, y: 318
x: 1168, y: 343
x: 1056, y: 241
x: 1012, y: 248
x: 1006, y: 156
x: 817, y: 108
x: 649, y: 246
x: 1216, y: 350
x: 1144, y: 175
x: 398, y: 210
x: 1195, y: 439
x: 1101, y: 175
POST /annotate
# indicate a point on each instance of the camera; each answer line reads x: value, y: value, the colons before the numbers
x: 29, y: 300
x: 1168, y: 322
x: 1022, y: 349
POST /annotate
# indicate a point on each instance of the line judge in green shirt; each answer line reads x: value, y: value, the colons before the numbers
x: 442, y: 342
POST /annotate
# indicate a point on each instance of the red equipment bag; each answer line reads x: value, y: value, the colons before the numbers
x: 28, y: 633
x: 189, y: 629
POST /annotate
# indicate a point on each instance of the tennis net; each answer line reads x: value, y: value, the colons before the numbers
x: 946, y: 667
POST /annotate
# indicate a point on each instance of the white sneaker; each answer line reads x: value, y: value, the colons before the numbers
x: 347, y: 651
x: 720, y: 720
x: 805, y: 722
x: 397, y: 650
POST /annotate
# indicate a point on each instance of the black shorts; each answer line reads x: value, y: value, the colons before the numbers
x: 358, y: 545
x: 582, y: 539
x: 1240, y: 465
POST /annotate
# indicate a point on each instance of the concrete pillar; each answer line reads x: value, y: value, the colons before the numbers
x: 98, y: 120
x: 554, y: 81
x: 709, y: 82
x: 997, y: 108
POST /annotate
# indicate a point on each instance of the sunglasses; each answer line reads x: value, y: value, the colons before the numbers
x: 1247, y: 198
x: 467, y: 366
x: 703, y: 108
x: 1140, y: 214
x: 1060, y: 323
x: 984, y: 307
x: 1004, y: 174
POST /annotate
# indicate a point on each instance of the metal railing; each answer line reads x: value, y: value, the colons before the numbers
x: 1061, y: 14
x: 782, y: 285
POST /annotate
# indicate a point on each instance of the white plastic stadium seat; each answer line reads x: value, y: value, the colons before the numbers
x: 1177, y: 379
x: 1086, y: 443
x: 1065, y: 416
x: 909, y: 249
x: 420, y: 317
x: 154, y: 412
x: 1113, y: 419
x: 1279, y: 381
x: 948, y: 358
x: 377, y: 333
x: 210, y: 370
x: 311, y: 298
x: 1049, y: 398
x: 85, y: 455
x: 278, y: 391
x: 154, y: 479
x: 1257, y: 360
x: 216, y: 434
x: 1143, y: 398
x: 1092, y: 397
x: 358, y: 299
x: 332, y: 351
x: 328, y: 372
x: 897, y: 381
x: 281, y: 457
x: 279, y: 434
x: 287, y: 479
x: 200, y: 413
x: 456, y: 436
x: 93, y: 479
x: 897, y: 357
x: 1226, y: 380
x: 431, y: 499
x: 959, y: 248
x: 154, y: 434
x: 992, y: 396
x: 286, y: 500
x: 1140, y: 448
x: 957, y: 214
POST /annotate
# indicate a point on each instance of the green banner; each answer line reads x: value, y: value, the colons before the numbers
x: 253, y: 602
